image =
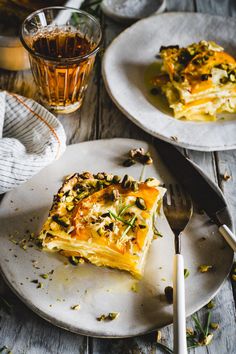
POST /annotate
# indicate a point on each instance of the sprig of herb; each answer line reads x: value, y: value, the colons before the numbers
x: 142, y: 175
x: 131, y: 224
x: 114, y: 216
x: 123, y: 209
x: 199, y: 336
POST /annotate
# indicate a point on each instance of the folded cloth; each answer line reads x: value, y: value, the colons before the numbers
x: 30, y: 139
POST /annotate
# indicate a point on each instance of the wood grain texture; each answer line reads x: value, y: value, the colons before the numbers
x: 183, y: 5
x: 216, y: 7
x: 23, y: 332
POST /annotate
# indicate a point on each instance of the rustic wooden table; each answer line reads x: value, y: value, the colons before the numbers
x: 24, y: 332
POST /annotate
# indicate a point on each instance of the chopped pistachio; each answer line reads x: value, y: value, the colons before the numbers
x: 69, y: 199
x: 158, y: 336
x: 134, y: 186
x: 115, y: 195
x: 87, y: 175
x: 113, y: 315
x: 169, y: 294
x: 74, y: 260
x: 134, y: 152
x: 142, y: 226
x: 226, y: 176
x: 234, y: 277
x: 100, y: 176
x: 70, y: 207
x: 204, y: 268
x: 129, y: 162
x: 152, y: 182
x: 186, y: 273
x: 134, y: 287
x: 110, y: 317
x: 140, y: 203
x: 139, y: 155
x: 44, y: 276
x: 126, y: 181
x: 60, y: 221
x: 100, y: 231
x: 206, y: 340
x: 146, y: 160
x: 189, y: 331
x: 40, y: 286
x: 214, y: 325
x: 116, y: 179
x: 54, y: 226
x: 101, y: 318
x: 75, y: 307
x: 210, y: 305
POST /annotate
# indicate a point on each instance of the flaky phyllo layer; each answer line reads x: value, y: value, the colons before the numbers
x: 199, y: 80
x: 103, y: 219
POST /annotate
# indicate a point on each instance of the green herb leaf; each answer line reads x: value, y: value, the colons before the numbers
x: 165, y: 348
x: 198, y: 324
x: 132, y: 221
x: 208, y: 323
x: 123, y: 209
x: 112, y: 215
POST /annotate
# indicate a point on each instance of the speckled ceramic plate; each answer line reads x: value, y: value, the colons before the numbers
x: 127, y: 58
x: 100, y: 290
x: 132, y: 10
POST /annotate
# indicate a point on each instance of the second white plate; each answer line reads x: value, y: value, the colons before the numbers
x: 127, y: 58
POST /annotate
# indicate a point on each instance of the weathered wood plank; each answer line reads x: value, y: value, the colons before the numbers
x: 216, y: 7
x: 111, y: 122
x: 183, y: 5
x: 23, y: 332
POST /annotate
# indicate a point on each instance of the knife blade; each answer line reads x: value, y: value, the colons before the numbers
x: 201, y: 191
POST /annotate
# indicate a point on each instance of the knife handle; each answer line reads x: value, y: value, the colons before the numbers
x: 180, y: 343
x: 229, y: 236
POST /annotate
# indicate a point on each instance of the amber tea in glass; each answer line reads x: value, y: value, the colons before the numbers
x: 62, y: 45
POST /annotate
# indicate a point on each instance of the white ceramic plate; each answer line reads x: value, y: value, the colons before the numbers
x: 131, y: 10
x: 100, y: 290
x: 129, y: 55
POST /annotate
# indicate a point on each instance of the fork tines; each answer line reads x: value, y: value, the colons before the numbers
x: 176, y: 196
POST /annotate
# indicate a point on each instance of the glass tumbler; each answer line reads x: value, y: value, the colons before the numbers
x: 62, y: 44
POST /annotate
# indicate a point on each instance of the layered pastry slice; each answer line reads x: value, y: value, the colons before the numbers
x: 199, y: 80
x: 103, y: 220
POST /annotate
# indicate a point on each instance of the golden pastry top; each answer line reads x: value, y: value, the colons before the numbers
x: 199, y: 66
x: 103, y: 209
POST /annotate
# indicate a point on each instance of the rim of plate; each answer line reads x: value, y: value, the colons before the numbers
x: 135, y: 119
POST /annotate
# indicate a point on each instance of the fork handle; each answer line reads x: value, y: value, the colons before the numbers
x: 229, y: 236
x: 180, y: 343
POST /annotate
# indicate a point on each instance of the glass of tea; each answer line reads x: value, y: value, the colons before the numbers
x: 62, y: 44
